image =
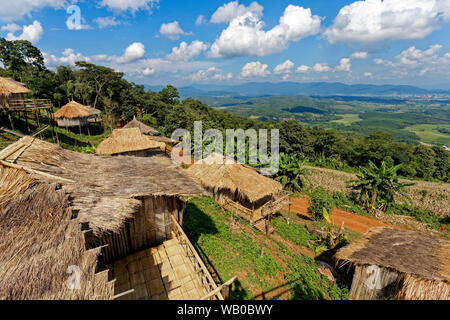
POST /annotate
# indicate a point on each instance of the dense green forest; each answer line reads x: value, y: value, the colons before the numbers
x: 109, y: 91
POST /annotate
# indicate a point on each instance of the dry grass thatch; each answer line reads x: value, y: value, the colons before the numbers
x: 103, y: 189
x: 39, y: 242
x: 127, y: 140
x: 10, y: 86
x: 73, y: 110
x: 408, y: 252
x: 427, y: 195
x: 145, y: 129
x: 233, y: 179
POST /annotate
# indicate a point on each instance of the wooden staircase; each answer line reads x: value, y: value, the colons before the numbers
x: 265, y: 226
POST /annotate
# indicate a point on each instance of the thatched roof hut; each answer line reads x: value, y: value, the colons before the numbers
x: 11, y: 92
x: 54, y: 203
x: 74, y: 114
x: 145, y: 129
x: 128, y: 142
x: 237, y: 183
x: 398, y: 264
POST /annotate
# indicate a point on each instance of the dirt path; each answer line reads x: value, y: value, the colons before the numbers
x: 357, y: 223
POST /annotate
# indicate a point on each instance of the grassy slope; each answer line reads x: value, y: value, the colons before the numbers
x: 278, y: 273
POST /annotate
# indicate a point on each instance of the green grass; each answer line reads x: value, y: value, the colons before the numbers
x: 239, y: 253
x: 428, y: 133
x: 348, y: 119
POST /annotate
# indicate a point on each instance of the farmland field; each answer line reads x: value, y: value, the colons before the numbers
x: 429, y: 133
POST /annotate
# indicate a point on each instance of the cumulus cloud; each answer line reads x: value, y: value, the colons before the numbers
x: 105, y: 22
x: 360, y: 55
x: 185, y: 52
x: 303, y: 69
x: 200, y: 20
x: 344, y: 65
x: 172, y: 30
x: 135, y: 51
x: 17, y: 9
x: 129, y: 5
x: 321, y: 67
x: 69, y: 57
x: 233, y: 10
x: 368, y: 75
x: 245, y: 36
x: 209, y: 74
x: 32, y: 32
x: 375, y: 20
x: 284, y: 68
x: 255, y: 69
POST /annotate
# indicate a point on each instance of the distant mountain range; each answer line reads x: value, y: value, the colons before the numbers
x: 257, y: 89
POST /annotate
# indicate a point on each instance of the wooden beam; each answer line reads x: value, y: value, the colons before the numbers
x: 123, y: 294
x: 216, y: 291
x: 12, y: 132
x: 32, y: 171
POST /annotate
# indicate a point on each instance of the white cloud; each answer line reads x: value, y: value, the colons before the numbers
x: 17, y: 9
x: 303, y: 69
x: 375, y: 20
x: 344, y: 65
x: 284, y: 68
x: 32, y: 32
x: 69, y: 57
x: 233, y: 10
x: 135, y: 51
x: 105, y: 22
x: 186, y: 52
x: 200, y: 20
x: 360, y: 55
x: 209, y: 74
x: 129, y: 5
x: 172, y: 30
x: 368, y: 75
x: 148, y: 71
x: 255, y: 69
x: 245, y: 35
x: 321, y: 67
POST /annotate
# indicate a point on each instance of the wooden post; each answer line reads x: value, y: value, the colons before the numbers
x: 11, y: 121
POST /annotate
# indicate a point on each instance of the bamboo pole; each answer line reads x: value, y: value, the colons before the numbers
x: 218, y: 289
x: 32, y: 171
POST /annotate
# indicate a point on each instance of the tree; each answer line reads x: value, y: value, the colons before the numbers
x: 20, y: 56
x: 98, y: 76
x: 291, y: 172
x: 378, y: 186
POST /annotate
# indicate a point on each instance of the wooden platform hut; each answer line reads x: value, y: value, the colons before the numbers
x: 65, y: 211
x: 75, y: 114
x: 12, y: 94
x: 391, y: 264
x: 241, y: 189
x: 145, y: 129
x: 130, y: 142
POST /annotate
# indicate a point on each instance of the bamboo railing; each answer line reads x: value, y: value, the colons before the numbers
x: 200, y: 269
x: 28, y: 105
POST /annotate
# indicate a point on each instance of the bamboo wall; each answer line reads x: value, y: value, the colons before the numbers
x: 72, y: 122
x: 151, y: 226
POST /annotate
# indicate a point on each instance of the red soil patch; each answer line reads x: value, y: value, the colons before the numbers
x: 357, y: 223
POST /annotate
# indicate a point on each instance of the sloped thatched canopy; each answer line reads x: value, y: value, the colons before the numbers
x: 123, y: 141
x: 145, y: 129
x: 48, y: 195
x: 73, y: 110
x: 239, y: 182
x: 9, y: 86
x: 400, y: 264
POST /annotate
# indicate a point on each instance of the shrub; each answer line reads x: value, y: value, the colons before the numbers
x: 318, y: 201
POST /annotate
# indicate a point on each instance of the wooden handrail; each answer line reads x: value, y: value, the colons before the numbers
x: 215, y: 291
x: 179, y: 232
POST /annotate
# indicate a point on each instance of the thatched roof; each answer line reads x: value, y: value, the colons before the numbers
x: 39, y: 242
x: 9, y: 86
x: 127, y: 140
x: 408, y: 252
x: 233, y: 178
x: 145, y: 129
x: 166, y: 140
x: 103, y: 189
x: 73, y: 110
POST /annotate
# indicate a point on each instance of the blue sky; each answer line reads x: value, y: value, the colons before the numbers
x: 228, y: 42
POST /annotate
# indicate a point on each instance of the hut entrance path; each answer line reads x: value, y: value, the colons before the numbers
x: 159, y: 273
x: 352, y: 221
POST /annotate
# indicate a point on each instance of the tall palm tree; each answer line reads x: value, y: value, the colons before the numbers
x: 291, y: 172
x: 379, y: 185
